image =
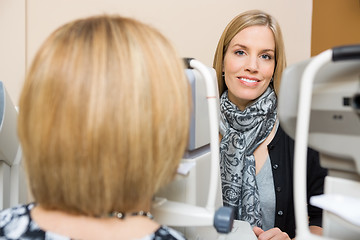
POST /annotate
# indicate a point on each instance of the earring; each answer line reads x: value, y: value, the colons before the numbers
x: 223, y: 75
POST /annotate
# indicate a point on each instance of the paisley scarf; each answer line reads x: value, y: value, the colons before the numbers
x: 243, y: 132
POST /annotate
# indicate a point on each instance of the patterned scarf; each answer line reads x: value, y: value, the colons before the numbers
x: 243, y: 132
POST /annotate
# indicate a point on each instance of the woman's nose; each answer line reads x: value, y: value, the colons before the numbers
x: 251, y: 64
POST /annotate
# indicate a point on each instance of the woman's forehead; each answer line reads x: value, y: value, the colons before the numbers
x: 260, y: 37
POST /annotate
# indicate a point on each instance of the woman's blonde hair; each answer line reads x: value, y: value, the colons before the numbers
x: 240, y: 22
x: 104, y: 116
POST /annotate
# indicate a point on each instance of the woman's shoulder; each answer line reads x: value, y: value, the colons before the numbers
x: 17, y: 215
x: 16, y: 223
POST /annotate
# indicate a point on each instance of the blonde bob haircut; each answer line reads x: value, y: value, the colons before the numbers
x: 104, y: 116
x: 240, y: 22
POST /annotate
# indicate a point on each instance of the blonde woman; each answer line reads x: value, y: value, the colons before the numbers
x: 103, y: 123
x: 256, y: 155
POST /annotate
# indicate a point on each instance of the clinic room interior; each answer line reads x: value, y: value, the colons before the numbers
x: 309, y: 27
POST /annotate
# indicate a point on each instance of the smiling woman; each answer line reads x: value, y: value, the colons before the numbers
x: 256, y: 155
x: 249, y: 64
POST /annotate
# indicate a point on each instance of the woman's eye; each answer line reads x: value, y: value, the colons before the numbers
x: 266, y: 56
x: 239, y: 52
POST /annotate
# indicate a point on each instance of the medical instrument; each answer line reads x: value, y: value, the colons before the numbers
x: 319, y: 106
x: 192, y: 202
x: 12, y: 177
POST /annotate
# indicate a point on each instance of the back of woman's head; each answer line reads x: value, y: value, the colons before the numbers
x: 104, y: 115
x: 239, y: 23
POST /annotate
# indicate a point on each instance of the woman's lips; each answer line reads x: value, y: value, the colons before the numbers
x: 249, y: 80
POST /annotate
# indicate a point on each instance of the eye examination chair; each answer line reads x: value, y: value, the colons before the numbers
x: 12, y: 177
x: 192, y: 203
x: 319, y: 106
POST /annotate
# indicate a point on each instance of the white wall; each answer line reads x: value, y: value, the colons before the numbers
x: 194, y: 26
x: 12, y: 45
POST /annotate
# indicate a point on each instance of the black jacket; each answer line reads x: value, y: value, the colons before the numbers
x: 281, y: 151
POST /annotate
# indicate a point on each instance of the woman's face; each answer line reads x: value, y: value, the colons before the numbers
x: 249, y: 64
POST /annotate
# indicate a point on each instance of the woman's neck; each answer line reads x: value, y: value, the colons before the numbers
x: 85, y: 227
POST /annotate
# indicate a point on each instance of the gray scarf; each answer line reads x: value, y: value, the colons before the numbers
x: 243, y: 132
